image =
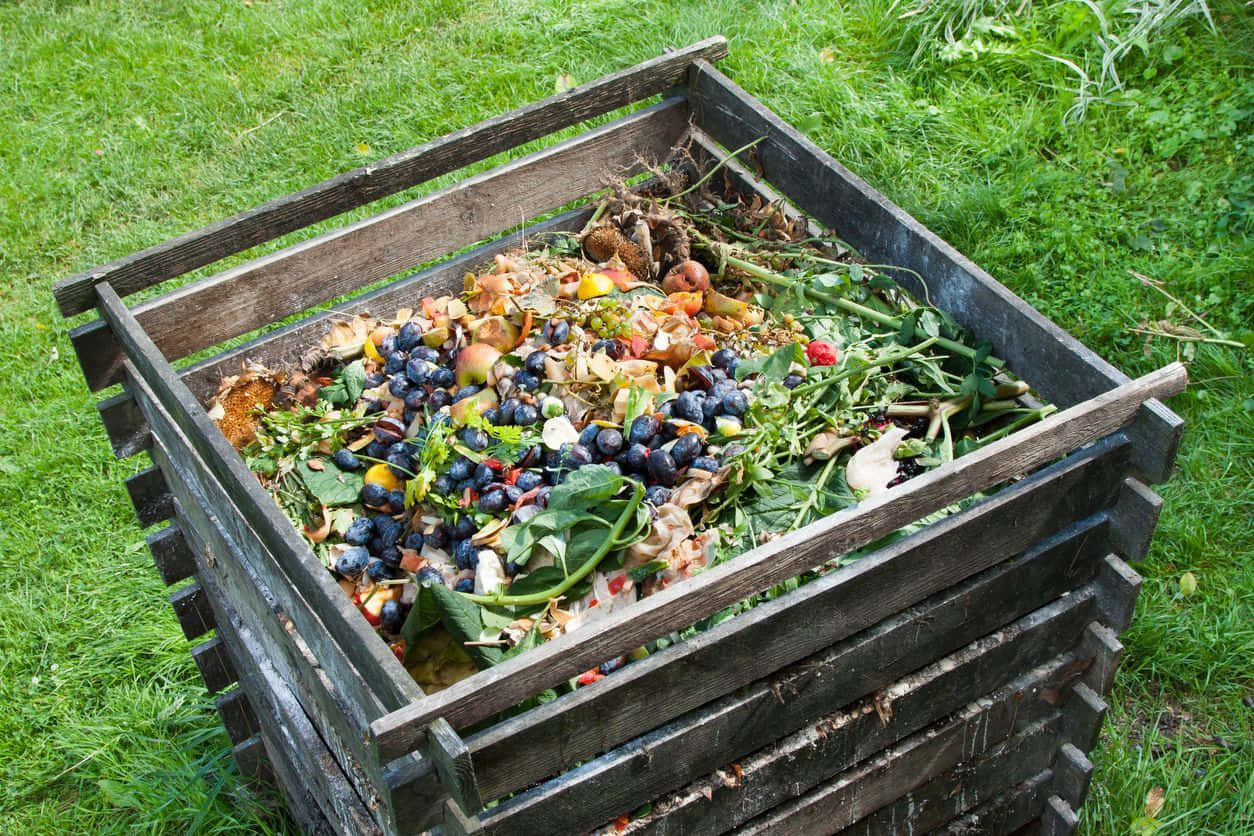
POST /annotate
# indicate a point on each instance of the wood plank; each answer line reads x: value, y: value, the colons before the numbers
x: 191, y: 608
x: 1005, y: 813
x: 457, y: 823
x: 914, y: 786
x: 261, y: 291
x: 452, y: 763
x: 237, y: 715
x: 527, y: 748
x: 1120, y: 586
x: 257, y: 511
x: 1083, y: 712
x: 316, y: 787
x: 250, y: 759
x: 124, y: 424
x: 385, y: 177
x: 1072, y: 773
x: 1101, y: 643
x: 215, y: 667
x: 503, y: 685
x: 1134, y: 519
x: 417, y: 795
x: 979, y: 672
x: 1058, y: 819
x: 1056, y: 363
x: 150, y: 497
x: 331, y: 693
x: 170, y: 554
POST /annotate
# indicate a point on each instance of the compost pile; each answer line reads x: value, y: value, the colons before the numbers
x: 598, y: 416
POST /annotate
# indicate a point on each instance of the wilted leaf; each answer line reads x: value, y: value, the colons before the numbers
x: 1154, y: 800
x: 563, y: 83
x: 826, y: 55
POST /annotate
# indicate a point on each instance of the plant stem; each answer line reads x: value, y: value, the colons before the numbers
x: 1019, y: 423
x: 611, y: 541
x: 886, y: 360
x: 818, y: 490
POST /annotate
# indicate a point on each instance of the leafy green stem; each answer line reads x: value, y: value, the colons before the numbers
x: 885, y: 360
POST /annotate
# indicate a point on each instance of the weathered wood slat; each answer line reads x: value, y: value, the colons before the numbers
x: 457, y: 823
x: 490, y: 691
x: 1058, y: 819
x: 800, y: 761
x: 1134, y: 519
x: 124, y: 424
x: 1083, y: 712
x: 215, y: 666
x: 291, y: 280
x: 173, y: 560
x: 331, y: 693
x: 1120, y: 587
x: 576, y: 726
x: 150, y: 496
x: 257, y: 511
x: 1072, y: 773
x: 251, y: 760
x: 191, y: 608
x: 385, y: 177
x: 237, y: 715
x: 452, y: 763
x: 319, y: 794
x: 1005, y: 813
x: 1058, y: 364
x: 1101, y: 643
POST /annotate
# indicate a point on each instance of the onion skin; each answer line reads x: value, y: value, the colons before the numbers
x: 687, y: 277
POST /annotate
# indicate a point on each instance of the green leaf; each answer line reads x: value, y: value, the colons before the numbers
x: 537, y: 581
x: 773, y: 367
x: 464, y: 621
x: 639, y: 573
x: 348, y: 385
x: 331, y: 486
x: 589, y: 485
x: 530, y: 640
x: 422, y: 617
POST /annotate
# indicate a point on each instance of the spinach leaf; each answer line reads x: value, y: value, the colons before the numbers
x: 464, y: 621
x: 584, y: 487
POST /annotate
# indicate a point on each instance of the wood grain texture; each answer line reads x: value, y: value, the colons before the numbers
x: 1083, y: 713
x: 320, y: 797
x: 251, y: 760
x: 331, y: 693
x: 576, y: 726
x: 1056, y: 363
x: 1134, y: 519
x: 1058, y: 819
x: 124, y: 424
x: 1006, y: 813
x: 385, y: 177
x: 257, y: 512
x: 191, y: 608
x: 501, y: 686
x: 457, y: 823
x: 274, y: 286
x: 1101, y: 643
x: 1120, y: 585
x: 150, y: 497
x: 452, y: 763
x: 979, y: 672
x: 170, y: 554
x: 215, y: 667
x: 237, y: 715
x: 1072, y: 773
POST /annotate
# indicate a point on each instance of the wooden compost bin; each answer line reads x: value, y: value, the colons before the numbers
x: 950, y: 680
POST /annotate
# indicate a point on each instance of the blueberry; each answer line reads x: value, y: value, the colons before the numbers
x: 688, y: 406
x: 705, y: 463
x: 735, y: 403
x: 733, y: 450
x: 557, y: 331
x: 492, y: 415
x: 427, y: 353
x: 667, y: 432
x: 637, y: 458
x: 376, y: 450
x: 792, y: 381
x: 399, y: 386
x: 415, y: 398
x: 658, y: 440
x: 430, y: 575
x: 438, y: 399
x: 642, y: 429
x: 374, y: 495
x: 724, y: 358
x: 374, y: 406
x: 700, y: 377
x: 507, y: 411
x: 464, y: 485
x: 400, y: 464
x: 443, y: 484
x: 686, y: 448
x: 391, y: 616
x: 721, y: 388
x: 389, y: 430
x: 662, y: 468
x: 465, y: 585
x: 609, y: 441
x: 466, y: 391
x: 607, y: 668
x: 484, y: 475
x: 442, y: 378
x: 413, y: 541
x: 377, y: 571
x: 513, y: 493
x: 614, y: 467
x: 577, y: 456
x: 528, y: 480
x: 351, y: 561
x: 588, y: 435
x: 711, y: 407
x: 613, y: 348
x: 408, y: 337
x: 437, y: 538
x: 396, y: 502
x: 461, y: 468
x: 526, y: 415
x: 667, y: 408
x: 535, y: 363
x: 493, y: 502
x: 476, y: 440
x: 542, y: 496
x: 463, y: 527
x: 359, y: 531
x: 465, y: 553
x: 657, y: 495
x: 373, y: 381
x: 526, y: 381
x: 395, y: 362
x: 345, y: 460
x: 417, y: 371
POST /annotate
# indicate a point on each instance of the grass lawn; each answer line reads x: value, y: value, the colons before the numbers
x: 128, y: 123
